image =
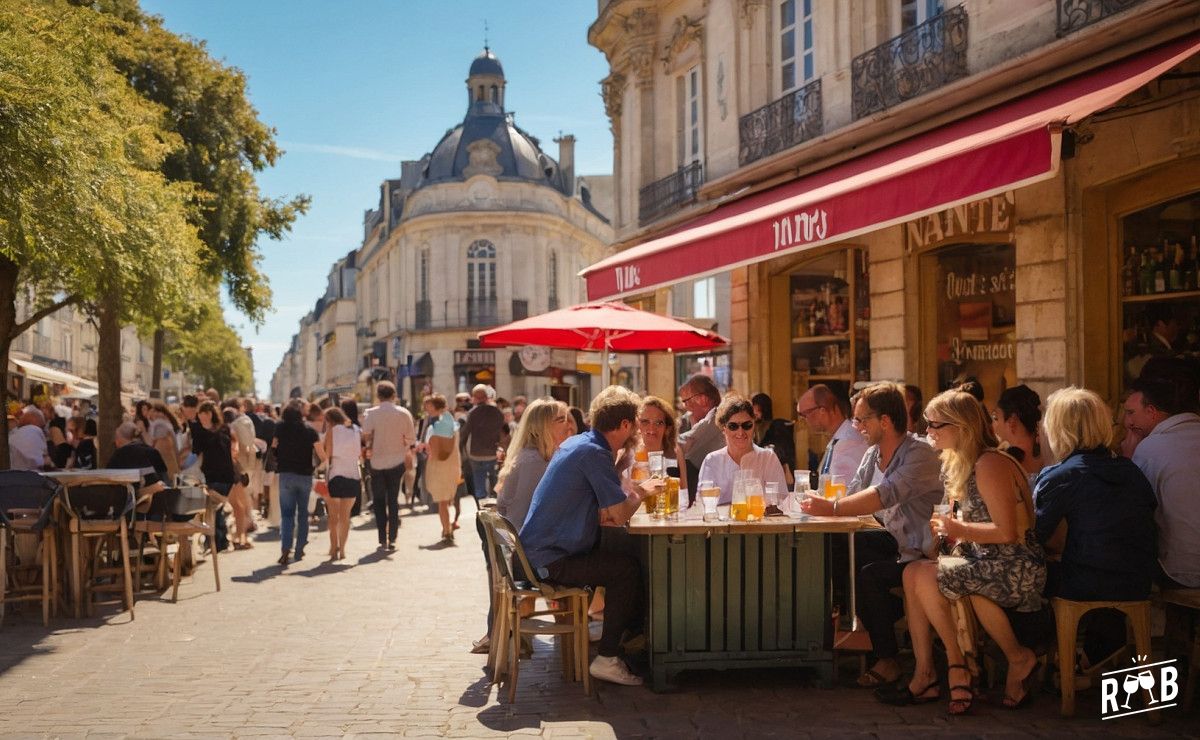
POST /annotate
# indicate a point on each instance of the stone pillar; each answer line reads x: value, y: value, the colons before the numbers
x: 1041, y: 286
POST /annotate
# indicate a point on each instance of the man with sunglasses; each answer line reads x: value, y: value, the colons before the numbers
x: 826, y: 413
x: 700, y: 396
x: 898, y: 482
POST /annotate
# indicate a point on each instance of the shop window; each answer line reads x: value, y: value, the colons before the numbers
x: 830, y: 314
x: 975, y: 296
x: 1160, y: 284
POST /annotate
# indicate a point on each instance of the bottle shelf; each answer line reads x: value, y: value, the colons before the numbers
x: 836, y: 376
x: 822, y: 339
x: 1169, y: 296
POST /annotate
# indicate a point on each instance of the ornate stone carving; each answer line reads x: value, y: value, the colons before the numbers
x: 483, y: 154
x: 612, y: 89
x: 684, y: 33
x: 640, y: 61
x: 641, y: 22
x: 747, y: 10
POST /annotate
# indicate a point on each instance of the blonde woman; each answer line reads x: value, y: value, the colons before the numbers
x: 997, y: 560
x: 543, y: 427
x: 443, y: 468
x: 343, y: 448
x: 657, y: 427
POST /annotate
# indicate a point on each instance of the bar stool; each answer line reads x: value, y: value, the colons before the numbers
x: 1187, y: 599
x: 26, y: 509
x: 98, y: 527
x: 1067, y: 614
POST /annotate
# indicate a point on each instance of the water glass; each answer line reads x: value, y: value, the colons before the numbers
x: 657, y: 465
x: 803, y: 481
x: 709, y: 496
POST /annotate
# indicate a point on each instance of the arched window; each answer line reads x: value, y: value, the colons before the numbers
x: 481, y: 282
x: 552, y: 280
x: 495, y: 94
x: 424, y: 308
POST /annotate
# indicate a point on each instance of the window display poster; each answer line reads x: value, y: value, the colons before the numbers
x: 975, y: 296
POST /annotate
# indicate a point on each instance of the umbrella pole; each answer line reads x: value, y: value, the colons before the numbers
x: 605, y: 371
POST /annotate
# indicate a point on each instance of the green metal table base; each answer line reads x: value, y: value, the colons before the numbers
x: 719, y: 601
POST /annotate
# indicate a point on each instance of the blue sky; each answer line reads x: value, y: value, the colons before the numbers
x: 354, y: 87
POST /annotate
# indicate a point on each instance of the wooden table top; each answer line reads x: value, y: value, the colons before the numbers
x: 687, y: 523
x: 101, y: 476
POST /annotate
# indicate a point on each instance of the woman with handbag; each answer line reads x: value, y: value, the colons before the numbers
x: 444, y: 465
x: 343, y: 450
x: 997, y: 562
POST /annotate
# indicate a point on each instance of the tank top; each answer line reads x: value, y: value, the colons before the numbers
x: 347, y: 445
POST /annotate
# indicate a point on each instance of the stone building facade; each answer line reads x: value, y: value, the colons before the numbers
x: 485, y: 229
x: 909, y: 191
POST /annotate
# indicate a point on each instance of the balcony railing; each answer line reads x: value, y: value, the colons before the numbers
x: 1076, y: 14
x: 782, y: 124
x: 662, y: 196
x: 482, y: 312
x: 424, y: 317
x: 916, y: 62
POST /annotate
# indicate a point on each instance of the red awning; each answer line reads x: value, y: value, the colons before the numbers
x: 1006, y: 147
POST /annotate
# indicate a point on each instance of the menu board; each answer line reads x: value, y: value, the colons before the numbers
x: 976, y: 316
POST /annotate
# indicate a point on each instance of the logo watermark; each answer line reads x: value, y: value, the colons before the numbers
x: 1158, y: 682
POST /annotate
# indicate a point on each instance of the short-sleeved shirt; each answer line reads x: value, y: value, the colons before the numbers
x: 720, y: 468
x: 392, y: 432
x: 442, y: 426
x: 910, y: 488
x: 137, y: 455
x: 564, y: 515
x: 294, y: 448
x: 27, y: 447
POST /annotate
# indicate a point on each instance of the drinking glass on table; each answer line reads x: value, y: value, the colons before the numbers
x: 833, y: 486
x: 709, y: 496
x: 737, y: 501
x: 755, y: 504
x: 772, y: 493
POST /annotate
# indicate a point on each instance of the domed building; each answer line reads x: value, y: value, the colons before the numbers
x: 485, y: 229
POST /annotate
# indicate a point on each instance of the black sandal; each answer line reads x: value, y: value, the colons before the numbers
x: 966, y: 703
x: 1027, y: 684
x: 902, y: 696
x: 873, y: 679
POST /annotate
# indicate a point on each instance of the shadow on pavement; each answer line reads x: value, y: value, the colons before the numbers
x: 373, y: 557
x: 439, y: 545
x: 260, y: 575
x: 325, y: 568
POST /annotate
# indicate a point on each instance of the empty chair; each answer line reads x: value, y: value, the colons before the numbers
x: 26, y: 509
x: 98, y: 526
x: 164, y: 523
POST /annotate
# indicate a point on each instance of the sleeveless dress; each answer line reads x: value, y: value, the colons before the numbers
x: 1012, y: 576
x: 441, y: 476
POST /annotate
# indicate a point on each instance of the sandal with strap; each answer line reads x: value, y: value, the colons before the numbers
x: 965, y: 704
x: 1027, y: 685
x: 902, y: 696
x: 873, y: 679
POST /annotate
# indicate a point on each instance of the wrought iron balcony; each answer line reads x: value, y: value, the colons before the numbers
x: 482, y: 312
x: 424, y: 317
x: 662, y: 196
x: 1076, y: 14
x: 916, y: 62
x: 782, y: 124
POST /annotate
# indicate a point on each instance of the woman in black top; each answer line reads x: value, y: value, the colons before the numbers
x: 212, y: 439
x: 83, y: 439
x: 294, y: 445
x: 776, y: 434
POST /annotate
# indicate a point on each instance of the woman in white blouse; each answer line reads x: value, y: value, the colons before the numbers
x: 735, y: 416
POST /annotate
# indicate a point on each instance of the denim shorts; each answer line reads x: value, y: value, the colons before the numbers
x: 342, y: 487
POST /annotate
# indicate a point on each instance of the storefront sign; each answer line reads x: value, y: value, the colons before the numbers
x: 474, y: 357
x: 798, y: 229
x: 988, y: 216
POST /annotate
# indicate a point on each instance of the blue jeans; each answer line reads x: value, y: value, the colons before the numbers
x: 294, y: 490
x: 481, y: 471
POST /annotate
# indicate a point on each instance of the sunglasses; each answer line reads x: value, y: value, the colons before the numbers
x: 745, y: 426
x: 938, y: 424
x: 652, y: 422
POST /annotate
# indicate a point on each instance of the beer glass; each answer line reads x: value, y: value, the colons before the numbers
x: 835, y: 487
x: 755, y: 505
x: 737, y: 502
x: 709, y: 496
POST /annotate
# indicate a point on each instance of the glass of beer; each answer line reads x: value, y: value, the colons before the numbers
x: 755, y: 501
x: 737, y: 502
x: 709, y: 496
x: 669, y: 498
x: 835, y: 487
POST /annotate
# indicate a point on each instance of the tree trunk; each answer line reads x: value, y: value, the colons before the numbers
x: 108, y: 374
x: 156, y: 364
x: 9, y: 271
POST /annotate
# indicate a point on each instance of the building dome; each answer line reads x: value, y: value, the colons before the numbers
x: 486, y: 64
x: 487, y: 141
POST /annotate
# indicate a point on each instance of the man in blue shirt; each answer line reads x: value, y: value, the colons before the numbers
x: 581, y: 489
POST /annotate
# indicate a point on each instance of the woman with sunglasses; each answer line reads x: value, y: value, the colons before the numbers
x: 997, y: 561
x: 735, y: 417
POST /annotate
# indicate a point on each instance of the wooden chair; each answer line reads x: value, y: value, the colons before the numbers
x: 568, y: 608
x: 1187, y: 599
x: 98, y: 527
x: 26, y: 509
x: 1067, y: 614
x: 163, y: 531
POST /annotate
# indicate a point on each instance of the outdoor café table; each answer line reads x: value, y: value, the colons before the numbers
x: 734, y: 594
x: 72, y: 478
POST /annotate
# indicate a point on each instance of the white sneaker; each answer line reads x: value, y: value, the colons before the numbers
x: 613, y: 669
x: 595, y: 630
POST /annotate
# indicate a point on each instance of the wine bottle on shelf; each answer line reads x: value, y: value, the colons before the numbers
x: 1146, y: 275
x: 1160, y: 270
x: 1175, y: 274
x: 1191, y: 271
x: 1129, y: 272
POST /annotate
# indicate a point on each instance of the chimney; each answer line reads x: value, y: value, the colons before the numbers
x: 566, y: 161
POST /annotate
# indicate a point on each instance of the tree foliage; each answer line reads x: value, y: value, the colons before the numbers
x: 209, y: 349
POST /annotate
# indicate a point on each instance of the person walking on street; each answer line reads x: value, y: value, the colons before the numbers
x: 389, y: 432
x: 343, y: 449
x: 442, y: 465
x: 295, y: 444
x: 480, y: 439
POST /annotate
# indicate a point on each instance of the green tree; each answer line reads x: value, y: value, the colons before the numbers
x: 86, y: 214
x: 224, y: 145
x: 210, y: 350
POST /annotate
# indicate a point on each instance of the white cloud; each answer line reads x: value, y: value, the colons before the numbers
x: 354, y: 152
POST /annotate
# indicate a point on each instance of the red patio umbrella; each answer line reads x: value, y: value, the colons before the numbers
x: 604, y: 327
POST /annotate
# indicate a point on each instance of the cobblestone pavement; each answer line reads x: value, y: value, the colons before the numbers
x: 378, y: 645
